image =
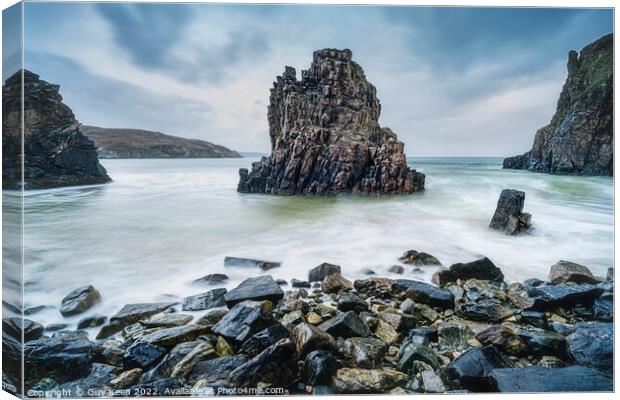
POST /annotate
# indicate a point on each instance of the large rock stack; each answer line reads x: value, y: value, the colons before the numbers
x: 579, y: 138
x: 326, y: 138
x: 56, y: 153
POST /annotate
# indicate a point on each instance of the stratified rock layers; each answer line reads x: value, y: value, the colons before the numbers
x: 56, y: 153
x: 579, y: 138
x: 326, y: 138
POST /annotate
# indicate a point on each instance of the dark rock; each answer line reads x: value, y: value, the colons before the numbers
x: 566, y: 271
x: 62, y: 358
x: 456, y: 335
x: 520, y: 341
x: 418, y: 258
x: 216, y: 372
x: 165, y: 367
x: 509, y: 216
x: 167, y: 320
x: 533, y: 282
x: 604, y: 308
x: 129, y: 314
x: 308, y: 338
x: 579, y: 138
x: 322, y: 271
x: 55, y: 327
x: 79, y: 300
x: 276, y: 365
x: 411, y: 352
x: 12, y: 360
x: 326, y: 138
x: 486, y: 310
x: 263, y: 339
x: 345, y: 325
x: 334, y: 283
x: 471, y: 369
x: 422, y: 335
x: 56, y: 153
x: 396, y: 269
x: 368, y: 271
x: 319, y: 367
x: 399, y: 321
x: 550, y: 297
x: 482, y: 268
x: 248, y: 262
x: 97, y: 382
x: 376, y: 287
x: 534, y: 318
x: 352, y: 302
x: 591, y: 345
x: 281, y: 282
x: 365, y: 352
x: 173, y: 387
x: 299, y: 284
x: 142, y: 354
x: 204, y: 301
x: 243, y: 320
x: 259, y: 288
x: 169, y: 337
x: 367, y: 381
x: 546, y: 380
x: 16, y: 326
x: 211, y: 279
x: 91, y: 322
x: 212, y: 317
x: 36, y: 309
x: 424, y: 293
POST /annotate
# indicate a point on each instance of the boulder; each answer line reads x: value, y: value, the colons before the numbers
x: 319, y: 367
x: 456, y: 335
x: 142, y: 354
x: 509, y: 216
x: 345, y: 325
x: 126, y: 378
x: 167, y: 320
x: 276, y: 365
x: 130, y: 314
x: 202, y: 351
x: 367, y: 381
x: 92, y: 321
x: 211, y: 279
x: 352, y: 302
x: 566, y: 271
x: 604, y: 308
x: 534, y: 318
x: 418, y: 258
x: 400, y: 321
x: 550, y: 297
x: 79, y: 300
x: 548, y: 380
x: 396, y: 269
x: 482, y: 268
x: 334, y: 283
x: 326, y: 138
x: 212, y: 317
x: 96, y: 382
x: 386, y: 332
x: 319, y: 273
x: 523, y: 341
x: 164, y: 368
x: 471, y: 369
x: 263, y: 339
x: 591, y: 345
x: 243, y: 320
x: 204, y: 301
x: 259, y: 288
x: 376, y: 287
x: 365, y: 352
x: 308, y: 338
x: 424, y: 293
x: 248, y: 262
x: 411, y: 352
x: 299, y: 284
x: 12, y: 352
x: 169, y: 337
x: 216, y: 372
x: 16, y: 327
x: 485, y: 310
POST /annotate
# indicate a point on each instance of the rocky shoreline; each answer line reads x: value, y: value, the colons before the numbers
x: 323, y: 334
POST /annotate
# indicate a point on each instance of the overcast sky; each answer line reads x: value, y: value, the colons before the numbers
x: 451, y: 81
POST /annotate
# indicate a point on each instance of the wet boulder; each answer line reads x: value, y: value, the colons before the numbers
x: 12, y: 359
x: 410, y: 352
x: 319, y: 273
x: 418, y: 258
x: 365, y: 352
x: 259, y: 288
x: 591, y: 345
x: 215, y: 372
x: 248, y: 262
x: 296, y: 283
x: 566, y: 271
x: 319, y: 367
x: 308, y: 338
x: 550, y: 297
x: 243, y: 320
x: 204, y: 301
x: 211, y: 279
x: 16, y: 326
x: 457, y: 335
x: 485, y: 310
x: 92, y: 321
x: 334, y: 283
x: 203, y: 351
x: 534, y: 318
x: 352, y: 302
x: 546, y: 380
x: 167, y: 320
x: 130, y: 314
x: 424, y: 293
x: 79, y: 300
x: 400, y: 321
x: 264, y: 338
x: 163, y: 369
x: 604, y: 307
x: 276, y: 365
x: 482, y: 269
x: 170, y: 337
x: 523, y: 341
x: 509, y: 216
x: 345, y: 325
x: 142, y: 354
x: 471, y: 369
x: 376, y: 287
x: 367, y: 381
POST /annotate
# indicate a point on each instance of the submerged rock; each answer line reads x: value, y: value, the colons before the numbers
x: 566, y: 271
x: 211, y: 279
x: 248, y: 262
x: 79, y: 300
x: 419, y: 258
x: 92, y: 321
x: 326, y: 138
x: 509, y: 216
x: 547, y: 380
x: 259, y: 288
x: 579, y: 138
x: 322, y: 271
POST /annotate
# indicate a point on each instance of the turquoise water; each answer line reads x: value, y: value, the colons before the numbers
x: 163, y: 223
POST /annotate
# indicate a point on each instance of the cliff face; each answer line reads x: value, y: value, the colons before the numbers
x: 325, y: 136
x: 56, y: 151
x: 579, y: 138
x: 137, y: 143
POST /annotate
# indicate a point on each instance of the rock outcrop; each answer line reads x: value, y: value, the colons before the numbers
x: 579, y: 138
x: 56, y: 153
x: 138, y: 143
x: 326, y: 138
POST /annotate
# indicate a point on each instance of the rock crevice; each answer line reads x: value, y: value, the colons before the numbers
x: 326, y: 138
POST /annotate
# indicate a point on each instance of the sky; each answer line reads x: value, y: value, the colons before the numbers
x: 451, y: 81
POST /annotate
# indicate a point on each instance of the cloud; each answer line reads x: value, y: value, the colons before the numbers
x: 451, y: 81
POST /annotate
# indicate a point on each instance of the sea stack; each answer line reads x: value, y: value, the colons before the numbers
x: 579, y: 138
x: 56, y: 153
x: 326, y: 138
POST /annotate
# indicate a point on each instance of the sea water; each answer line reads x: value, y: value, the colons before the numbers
x: 163, y: 223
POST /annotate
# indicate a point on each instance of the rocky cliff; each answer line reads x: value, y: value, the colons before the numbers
x: 579, y: 138
x: 137, y: 143
x: 56, y: 153
x: 326, y: 138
